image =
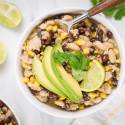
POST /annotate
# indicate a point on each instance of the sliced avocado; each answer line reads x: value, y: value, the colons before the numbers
x: 42, y: 78
x: 50, y: 72
x: 47, y: 66
x: 70, y: 84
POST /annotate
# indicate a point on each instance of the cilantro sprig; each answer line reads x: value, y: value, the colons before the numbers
x: 118, y: 12
x: 79, y: 64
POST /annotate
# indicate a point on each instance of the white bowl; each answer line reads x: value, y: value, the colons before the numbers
x: 54, y: 111
x: 10, y: 107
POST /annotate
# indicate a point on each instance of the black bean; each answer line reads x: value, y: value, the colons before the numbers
x: 115, y: 83
x: 39, y: 34
x: 8, y: 120
x: 109, y: 34
x: 92, y: 49
x: 82, y: 24
x: 1, y: 104
x: 100, y: 35
x: 100, y: 39
x: 2, y: 122
x: 37, y: 52
x: 34, y: 92
x: 114, y: 79
x: 51, y: 33
x: 67, y: 106
x: 68, y: 68
x: 52, y: 43
x: 70, y: 37
x: 53, y: 96
x: 105, y: 59
x: 82, y: 101
x: 81, y: 30
x: 4, y: 110
x: 47, y: 42
x: 118, y: 65
x: 64, y: 45
x: 114, y: 74
x: 64, y: 64
x: 92, y: 40
x: 54, y: 38
x: 100, y: 32
x: 93, y: 27
x: 86, y: 96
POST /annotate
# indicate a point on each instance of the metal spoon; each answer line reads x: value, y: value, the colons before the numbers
x: 105, y: 4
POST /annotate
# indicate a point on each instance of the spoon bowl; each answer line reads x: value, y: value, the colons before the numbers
x: 102, y: 6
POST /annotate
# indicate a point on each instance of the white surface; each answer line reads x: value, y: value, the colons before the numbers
x: 8, y: 87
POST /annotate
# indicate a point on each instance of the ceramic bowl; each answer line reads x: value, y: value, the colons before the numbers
x: 54, y: 111
x: 4, y: 100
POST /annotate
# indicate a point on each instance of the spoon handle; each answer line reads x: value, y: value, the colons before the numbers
x: 105, y: 4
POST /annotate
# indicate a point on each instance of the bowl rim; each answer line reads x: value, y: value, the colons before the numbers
x: 51, y: 110
x: 4, y: 100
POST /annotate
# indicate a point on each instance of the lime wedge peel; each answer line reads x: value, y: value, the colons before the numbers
x: 3, y: 53
x: 10, y: 15
x: 94, y: 77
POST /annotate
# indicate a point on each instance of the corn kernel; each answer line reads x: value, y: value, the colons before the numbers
x: 62, y: 98
x: 118, y: 61
x: 27, y: 47
x: 54, y: 28
x: 87, y: 22
x: 90, y: 64
x: 24, y: 46
x: 93, y: 34
x: 93, y: 95
x: 25, y: 80
x: 86, y: 51
x: 63, y: 35
x: 108, y: 68
x: 117, y: 69
x: 81, y: 107
x: 10, y: 123
x: 103, y: 95
x: 116, y: 51
x: 32, y: 79
x: 80, y: 42
x: 41, y: 58
x: 30, y: 53
x: 24, y: 65
x: 110, y: 82
x: 36, y: 83
x: 49, y: 28
x: 96, y: 51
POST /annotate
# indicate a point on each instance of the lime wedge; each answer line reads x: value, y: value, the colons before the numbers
x: 94, y: 77
x: 3, y: 53
x: 10, y: 15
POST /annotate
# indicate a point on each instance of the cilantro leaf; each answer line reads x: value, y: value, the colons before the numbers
x: 76, y: 60
x: 110, y: 12
x: 83, y: 62
x: 59, y: 57
x: 94, y: 2
x: 118, y: 12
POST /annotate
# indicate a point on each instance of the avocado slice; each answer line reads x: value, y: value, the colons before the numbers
x: 50, y: 73
x: 70, y: 84
x: 38, y: 71
x: 47, y: 67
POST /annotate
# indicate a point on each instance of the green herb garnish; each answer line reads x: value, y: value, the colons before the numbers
x: 79, y: 64
x: 118, y: 12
